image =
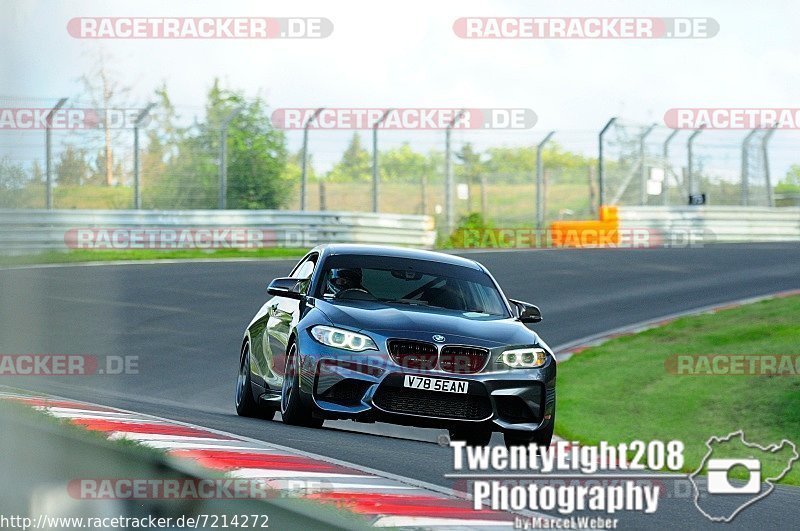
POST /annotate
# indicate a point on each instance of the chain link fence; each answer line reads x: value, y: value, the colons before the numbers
x: 495, y: 172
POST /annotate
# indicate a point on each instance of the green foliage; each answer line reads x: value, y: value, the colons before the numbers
x: 518, y: 164
x: 183, y: 163
x: 469, y: 167
x: 294, y: 168
x: 687, y: 407
x: 12, y: 176
x: 791, y: 183
x: 97, y: 171
x: 471, y: 221
x: 93, y: 255
x: 356, y: 163
x: 71, y: 167
x: 403, y: 164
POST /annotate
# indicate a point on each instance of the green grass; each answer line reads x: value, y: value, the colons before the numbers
x: 622, y: 390
x: 149, y: 254
x: 507, y: 204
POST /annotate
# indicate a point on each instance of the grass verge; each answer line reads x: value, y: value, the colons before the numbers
x: 149, y: 254
x: 622, y: 390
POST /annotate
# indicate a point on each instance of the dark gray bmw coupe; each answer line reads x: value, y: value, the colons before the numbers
x: 402, y: 336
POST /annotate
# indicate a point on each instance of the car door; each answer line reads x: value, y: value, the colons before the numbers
x: 283, y: 314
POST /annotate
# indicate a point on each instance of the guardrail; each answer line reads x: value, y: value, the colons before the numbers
x: 717, y: 223
x: 43, y: 460
x: 34, y: 231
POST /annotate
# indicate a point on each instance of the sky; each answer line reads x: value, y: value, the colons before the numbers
x: 405, y: 54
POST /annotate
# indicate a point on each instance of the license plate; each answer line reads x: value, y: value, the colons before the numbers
x: 435, y: 384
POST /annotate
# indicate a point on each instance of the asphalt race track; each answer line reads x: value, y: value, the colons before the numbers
x: 185, y: 321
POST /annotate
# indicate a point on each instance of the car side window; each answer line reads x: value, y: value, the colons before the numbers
x: 304, y: 270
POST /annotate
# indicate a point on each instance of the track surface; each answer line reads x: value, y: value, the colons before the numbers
x: 185, y: 322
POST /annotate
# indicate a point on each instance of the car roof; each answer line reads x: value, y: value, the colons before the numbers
x: 395, y: 252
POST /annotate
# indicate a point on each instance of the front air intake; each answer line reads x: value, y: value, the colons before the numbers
x: 417, y: 355
x: 463, y: 360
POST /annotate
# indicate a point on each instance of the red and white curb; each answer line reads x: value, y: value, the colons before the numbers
x: 567, y: 350
x: 383, y: 500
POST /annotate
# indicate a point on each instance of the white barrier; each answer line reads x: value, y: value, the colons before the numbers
x: 716, y: 223
x: 33, y: 231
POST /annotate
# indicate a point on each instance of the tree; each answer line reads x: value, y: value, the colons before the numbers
x: 518, y: 164
x: 356, y: 163
x: 791, y: 182
x: 257, y: 152
x: 37, y: 174
x: 97, y: 170
x: 189, y: 178
x: 469, y: 168
x: 12, y: 176
x: 71, y: 167
x: 106, y: 93
x: 294, y: 167
x: 404, y: 165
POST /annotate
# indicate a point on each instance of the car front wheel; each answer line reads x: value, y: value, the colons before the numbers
x: 293, y: 410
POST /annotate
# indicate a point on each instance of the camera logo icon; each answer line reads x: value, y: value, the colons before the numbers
x: 718, y: 482
x: 733, y: 484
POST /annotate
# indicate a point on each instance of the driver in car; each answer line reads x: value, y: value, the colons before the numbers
x: 342, y: 279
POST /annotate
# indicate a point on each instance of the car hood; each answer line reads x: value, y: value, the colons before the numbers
x: 411, y: 321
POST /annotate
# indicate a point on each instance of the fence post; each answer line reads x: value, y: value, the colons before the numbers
x: 667, y: 167
x: 323, y: 203
x: 539, y: 184
x: 48, y: 148
x: 304, y: 161
x: 448, y: 171
x: 375, y: 177
x: 690, y: 156
x: 137, y: 178
x: 601, y: 187
x: 223, y: 158
x: 765, y: 156
x: 484, y: 201
x: 591, y: 177
x: 424, y: 190
x: 642, y: 168
x: 745, y: 185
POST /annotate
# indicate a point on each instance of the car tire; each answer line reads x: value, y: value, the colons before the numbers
x: 540, y: 437
x: 471, y: 436
x: 293, y: 411
x: 246, y: 405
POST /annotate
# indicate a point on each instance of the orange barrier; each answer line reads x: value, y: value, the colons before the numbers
x: 590, y: 233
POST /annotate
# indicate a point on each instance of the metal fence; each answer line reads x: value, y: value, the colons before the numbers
x: 712, y: 224
x: 510, y: 178
x: 29, y: 231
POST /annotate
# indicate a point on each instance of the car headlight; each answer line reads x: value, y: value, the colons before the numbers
x: 344, y: 339
x: 524, y: 358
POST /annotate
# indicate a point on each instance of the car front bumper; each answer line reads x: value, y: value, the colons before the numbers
x: 370, y: 387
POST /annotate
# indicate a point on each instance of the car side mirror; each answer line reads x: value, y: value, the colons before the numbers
x: 527, y: 312
x: 285, y: 287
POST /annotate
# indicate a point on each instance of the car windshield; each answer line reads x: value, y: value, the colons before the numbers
x: 402, y: 281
